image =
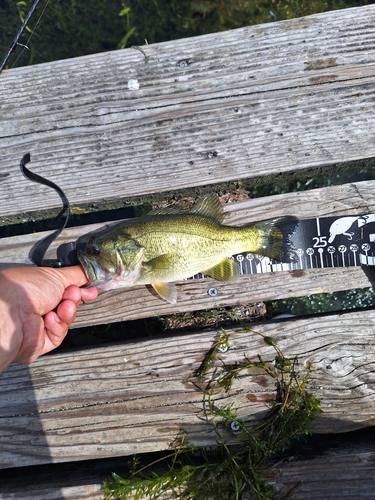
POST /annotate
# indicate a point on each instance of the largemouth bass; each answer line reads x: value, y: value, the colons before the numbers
x: 169, y: 245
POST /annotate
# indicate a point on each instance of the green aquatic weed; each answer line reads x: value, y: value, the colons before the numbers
x: 220, y: 345
x: 230, y: 471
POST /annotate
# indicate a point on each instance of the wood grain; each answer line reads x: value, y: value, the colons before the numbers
x: 140, y: 396
x: 277, y: 98
x: 341, y: 477
x: 140, y: 302
x: 46, y: 492
x: 337, y: 476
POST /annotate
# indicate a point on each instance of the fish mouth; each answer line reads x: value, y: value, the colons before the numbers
x: 94, y: 274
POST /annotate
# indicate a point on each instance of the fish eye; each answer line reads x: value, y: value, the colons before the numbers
x: 93, y: 250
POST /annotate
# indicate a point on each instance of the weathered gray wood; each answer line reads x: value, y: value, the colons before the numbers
x: 139, y: 397
x: 340, y: 476
x: 119, y: 305
x: 281, y: 97
x: 84, y: 492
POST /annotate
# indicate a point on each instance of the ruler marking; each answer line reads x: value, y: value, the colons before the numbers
x: 318, y: 226
x: 321, y: 257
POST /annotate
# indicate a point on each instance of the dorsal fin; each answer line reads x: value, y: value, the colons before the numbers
x: 209, y: 206
x: 167, y: 211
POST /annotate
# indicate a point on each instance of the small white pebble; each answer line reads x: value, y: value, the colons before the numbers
x: 125, y: 360
x: 133, y: 85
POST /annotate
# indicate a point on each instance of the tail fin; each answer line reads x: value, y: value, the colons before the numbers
x: 276, y: 242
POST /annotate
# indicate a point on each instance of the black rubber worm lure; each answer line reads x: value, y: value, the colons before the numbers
x: 39, y: 250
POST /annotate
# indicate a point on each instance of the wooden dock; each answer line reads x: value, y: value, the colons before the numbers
x: 269, y: 103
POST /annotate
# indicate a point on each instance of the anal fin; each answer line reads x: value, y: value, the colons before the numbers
x: 226, y: 270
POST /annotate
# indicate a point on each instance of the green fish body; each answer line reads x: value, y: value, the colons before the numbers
x: 169, y: 245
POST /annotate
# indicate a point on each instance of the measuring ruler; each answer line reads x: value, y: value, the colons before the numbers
x: 320, y: 243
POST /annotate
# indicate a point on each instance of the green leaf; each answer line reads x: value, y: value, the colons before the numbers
x: 125, y: 39
x: 124, y: 11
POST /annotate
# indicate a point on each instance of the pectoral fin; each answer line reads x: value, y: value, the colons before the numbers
x: 159, y: 269
x: 167, y: 291
x: 226, y: 270
x: 160, y: 264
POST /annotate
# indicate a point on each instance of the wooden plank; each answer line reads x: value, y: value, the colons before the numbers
x: 281, y: 97
x: 121, y: 305
x: 342, y: 475
x: 124, y: 305
x: 340, y: 466
x: 84, y: 492
x: 139, y: 397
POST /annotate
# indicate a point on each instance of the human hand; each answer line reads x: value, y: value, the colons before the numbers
x: 37, y: 305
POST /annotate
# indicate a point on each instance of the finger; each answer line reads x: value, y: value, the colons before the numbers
x: 72, y: 275
x: 77, y: 294
x: 72, y: 293
x: 89, y: 293
x: 56, y: 331
x: 66, y: 311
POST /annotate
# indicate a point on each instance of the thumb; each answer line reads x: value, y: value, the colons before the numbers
x: 72, y: 275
